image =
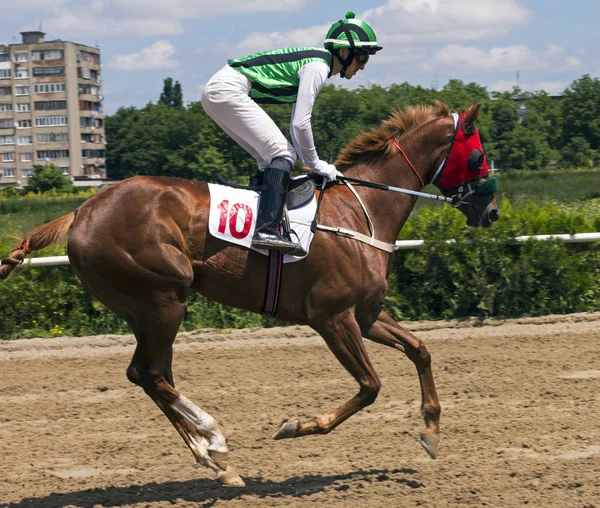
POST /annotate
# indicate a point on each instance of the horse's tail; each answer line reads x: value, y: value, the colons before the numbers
x: 40, y: 237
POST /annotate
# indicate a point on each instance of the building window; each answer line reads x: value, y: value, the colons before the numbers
x: 50, y: 121
x: 86, y: 56
x: 27, y: 172
x: 7, y: 140
x: 52, y: 154
x: 26, y: 157
x: 52, y: 137
x: 21, y: 57
x: 22, y: 74
x: 89, y: 89
x: 65, y: 170
x: 24, y: 124
x: 84, y: 72
x: 4, y: 73
x: 7, y: 123
x: 92, y: 154
x: 50, y: 105
x: 52, y: 54
x: 23, y: 107
x: 25, y: 140
x: 94, y: 123
x: 8, y: 172
x: 7, y: 156
x: 50, y: 87
x: 6, y: 106
x: 91, y: 138
x: 89, y: 106
x: 49, y: 71
x: 4, y: 57
x: 22, y: 90
x: 5, y: 90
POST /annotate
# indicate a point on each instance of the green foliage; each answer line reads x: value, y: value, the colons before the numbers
x: 171, y: 96
x: 485, y: 273
x: 171, y: 139
x: 47, y: 178
x: 581, y: 111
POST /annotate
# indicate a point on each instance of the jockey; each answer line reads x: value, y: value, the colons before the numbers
x: 292, y: 76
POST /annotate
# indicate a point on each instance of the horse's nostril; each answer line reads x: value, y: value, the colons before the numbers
x: 494, y: 215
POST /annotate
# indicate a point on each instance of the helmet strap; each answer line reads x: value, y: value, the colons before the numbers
x: 346, y: 62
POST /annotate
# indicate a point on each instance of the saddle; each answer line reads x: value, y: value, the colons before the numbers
x: 300, y: 190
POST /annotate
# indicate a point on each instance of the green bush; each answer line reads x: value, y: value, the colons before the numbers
x: 484, y: 273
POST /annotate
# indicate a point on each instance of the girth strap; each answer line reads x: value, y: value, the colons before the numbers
x: 274, y: 270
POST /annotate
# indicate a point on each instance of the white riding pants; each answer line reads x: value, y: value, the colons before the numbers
x: 226, y: 99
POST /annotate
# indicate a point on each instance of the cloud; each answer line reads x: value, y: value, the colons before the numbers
x: 439, y: 21
x: 406, y: 24
x: 517, y: 57
x: 156, y: 56
x: 186, y: 9
x: 90, y: 26
x: 28, y: 6
x: 260, y: 41
x: 73, y: 18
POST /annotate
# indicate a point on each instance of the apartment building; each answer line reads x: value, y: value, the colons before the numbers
x: 50, y: 109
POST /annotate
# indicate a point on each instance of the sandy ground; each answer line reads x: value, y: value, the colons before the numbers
x: 520, y: 421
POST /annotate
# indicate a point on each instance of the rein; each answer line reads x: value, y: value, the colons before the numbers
x: 382, y: 186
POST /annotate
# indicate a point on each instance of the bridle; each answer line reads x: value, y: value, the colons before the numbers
x: 464, y: 190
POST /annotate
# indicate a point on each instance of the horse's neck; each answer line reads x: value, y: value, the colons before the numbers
x: 390, y: 210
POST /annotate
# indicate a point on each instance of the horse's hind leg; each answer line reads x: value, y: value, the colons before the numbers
x: 150, y: 368
x: 342, y: 335
x: 382, y: 329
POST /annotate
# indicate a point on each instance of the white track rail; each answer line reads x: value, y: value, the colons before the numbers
x: 400, y: 245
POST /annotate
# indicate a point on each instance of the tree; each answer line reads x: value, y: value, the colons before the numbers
x: 581, y: 111
x: 166, y: 97
x: 177, y: 95
x: 171, y: 96
x: 576, y: 153
x: 503, y: 112
x: 46, y: 178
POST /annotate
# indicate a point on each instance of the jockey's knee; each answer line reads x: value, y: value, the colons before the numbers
x: 284, y: 163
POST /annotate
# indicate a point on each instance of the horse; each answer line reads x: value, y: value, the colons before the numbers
x: 143, y: 244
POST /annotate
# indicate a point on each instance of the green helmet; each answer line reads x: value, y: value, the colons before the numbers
x: 351, y: 33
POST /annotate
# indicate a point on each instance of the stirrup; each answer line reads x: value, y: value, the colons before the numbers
x: 271, y: 240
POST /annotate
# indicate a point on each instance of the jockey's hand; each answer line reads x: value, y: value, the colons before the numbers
x: 327, y: 170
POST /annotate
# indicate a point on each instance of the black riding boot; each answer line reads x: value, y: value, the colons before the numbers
x: 268, y: 234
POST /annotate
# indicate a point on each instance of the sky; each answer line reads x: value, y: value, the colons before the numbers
x: 542, y: 44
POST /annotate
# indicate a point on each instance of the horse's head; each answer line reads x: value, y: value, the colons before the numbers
x: 463, y: 175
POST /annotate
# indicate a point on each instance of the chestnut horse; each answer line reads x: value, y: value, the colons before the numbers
x: 142, y: 245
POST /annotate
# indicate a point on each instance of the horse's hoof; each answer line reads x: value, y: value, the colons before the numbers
x: 288, y: 429
x: 430, y: 442
x: 230, y: 478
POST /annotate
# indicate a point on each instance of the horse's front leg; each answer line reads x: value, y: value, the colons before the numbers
x: 382, y: 329
x: 342, y: 335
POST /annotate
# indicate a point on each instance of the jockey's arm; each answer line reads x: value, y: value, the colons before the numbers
x: 312, y: 78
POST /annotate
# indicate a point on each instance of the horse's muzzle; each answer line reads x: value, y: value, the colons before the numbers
x: 478, y: 217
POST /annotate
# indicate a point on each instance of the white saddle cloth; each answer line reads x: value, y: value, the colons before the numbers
x: 233, y: 218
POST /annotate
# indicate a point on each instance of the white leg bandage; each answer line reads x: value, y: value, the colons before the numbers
x: 204, y: 424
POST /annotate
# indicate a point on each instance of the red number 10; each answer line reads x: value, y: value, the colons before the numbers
x: 223, y: 207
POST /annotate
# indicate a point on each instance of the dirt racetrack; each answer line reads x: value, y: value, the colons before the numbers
x: 520, y: 421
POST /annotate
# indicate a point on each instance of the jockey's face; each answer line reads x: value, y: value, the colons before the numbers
x: 357, y: 64
x: 354, y: 67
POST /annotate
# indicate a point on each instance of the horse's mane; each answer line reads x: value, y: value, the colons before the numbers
x: 374, y: 146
